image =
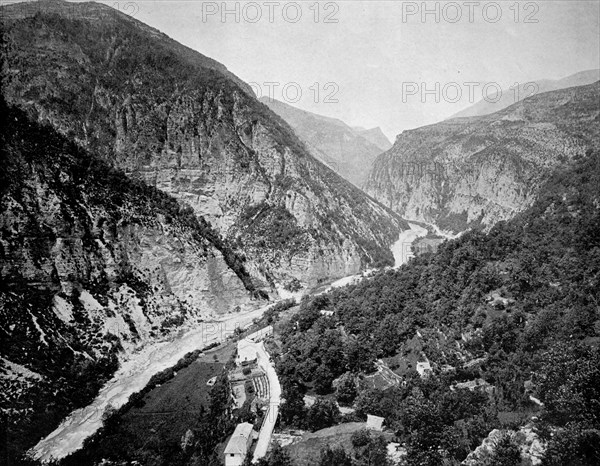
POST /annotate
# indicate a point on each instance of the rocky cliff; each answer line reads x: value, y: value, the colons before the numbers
x: 476, y: 171
x: 93, y: 266
x: 156, y: 110
x: 350, y: 152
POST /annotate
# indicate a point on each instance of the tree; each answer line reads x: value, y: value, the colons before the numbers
x: 346, y: 390
x: 323, y: 413
x: 506, y: 452
x: 292, y: 410
x: 323, y: 379
x: 373, y: 453
x: 335, y: 457
x: 277, y: 457
x: 574, y: 446
x: 361, y: 438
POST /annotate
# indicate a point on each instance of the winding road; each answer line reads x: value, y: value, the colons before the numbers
x: 135, y: 373
x: 266, y: 430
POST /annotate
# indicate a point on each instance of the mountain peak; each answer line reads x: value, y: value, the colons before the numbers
x: 344, y: 149
x: 375, y: 136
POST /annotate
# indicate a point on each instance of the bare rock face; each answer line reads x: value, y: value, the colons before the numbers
x: 476, y: 171
x: 172, y: 118
x: 93, y: 266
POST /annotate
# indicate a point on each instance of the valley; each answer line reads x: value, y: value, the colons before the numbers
x: 132, y: 376
x: 138, y: 369
x: 191, y: 275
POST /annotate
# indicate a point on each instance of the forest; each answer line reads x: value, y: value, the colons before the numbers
x: 515, y: 309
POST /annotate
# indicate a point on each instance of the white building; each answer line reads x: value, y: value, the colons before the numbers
x: 246, y: 352
x: 424, y: 368
x: 239, y: 445
x: 374, y: 422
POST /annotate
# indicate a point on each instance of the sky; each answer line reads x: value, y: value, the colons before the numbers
x: 392, y: 63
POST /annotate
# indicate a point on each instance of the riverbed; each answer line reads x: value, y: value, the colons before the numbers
x: 402, y: 249
x: 135, y: 373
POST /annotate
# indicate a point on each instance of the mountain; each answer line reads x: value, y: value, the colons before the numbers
x: 375, y: 136
x: 495, y: 335
x: 522, y: 91
x: 94, y: 266
x: 348, y: 151
x: 468, y: 172
x: 174, y: 118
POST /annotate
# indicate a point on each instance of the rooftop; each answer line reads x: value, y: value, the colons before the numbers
x: 239, y: 439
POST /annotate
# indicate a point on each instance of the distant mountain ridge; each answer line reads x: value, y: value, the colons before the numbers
x: 475, y: 171
x: 375, y: 135
x: 349, y: 151
x: 524, y: 90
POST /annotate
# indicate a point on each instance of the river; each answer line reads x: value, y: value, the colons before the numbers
x: 135, y: 373
x: 402, y: 249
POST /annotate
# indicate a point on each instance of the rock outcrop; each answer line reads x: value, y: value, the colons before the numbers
x: 158, y: 111
x: 93, y: 267
x: 476, y: 171
x: 529, y: 443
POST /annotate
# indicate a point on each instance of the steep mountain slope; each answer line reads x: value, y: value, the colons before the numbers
x: 470, y: 171
x: 93, y: 266
x: 332, y: 141
x: 524, y: 90
x: 507, y: 321
x: 152, y: 108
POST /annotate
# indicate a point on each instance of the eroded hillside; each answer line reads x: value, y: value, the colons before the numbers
x: 94, y: 267
x: 475, y: 171
x: 153, y: 108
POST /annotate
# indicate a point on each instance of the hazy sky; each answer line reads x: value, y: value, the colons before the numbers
x: 377, y: 49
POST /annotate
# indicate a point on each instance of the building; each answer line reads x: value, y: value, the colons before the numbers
x: 239, y: 444
x: 326, y: 313
x: 246, y: 352
x: 472, y: 385
x: 374, y: 422
x: 424, y: 368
